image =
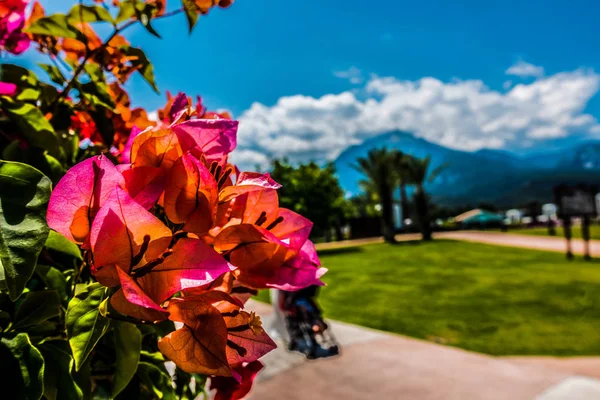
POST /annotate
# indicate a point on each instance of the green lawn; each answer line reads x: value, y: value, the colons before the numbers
x: 490, y: 299
x: 576, y: 231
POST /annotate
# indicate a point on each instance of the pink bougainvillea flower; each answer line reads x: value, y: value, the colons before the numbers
x: 191, y: 188
x: 272, y: 252
x: 125, y: 234
x: 199, y: 346
x: 144, y: 184
x: 181, y: 234
x: 253, y: 198
x: 216, y: 334
x: 268, y: 244
x: 235, y: 389
x: 126, y: 154
x: 192, y: 263
x: 79, y: 195
x: 299, y: 272
x: 247, y: 341
x: 158, y: 148
x: 290, y: 227
x: 8, y: 89
x: 12, y: 21
x: 8, y: 6
x: 161, y: 147
x: 215, y: 137
x: 179, y: 108
x: 133, y: 301
x: 257, y: 179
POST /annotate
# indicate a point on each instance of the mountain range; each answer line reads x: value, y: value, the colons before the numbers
x: 499, y: 177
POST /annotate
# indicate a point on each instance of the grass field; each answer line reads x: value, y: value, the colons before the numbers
x: 490, y: 299
x: 576, y: 231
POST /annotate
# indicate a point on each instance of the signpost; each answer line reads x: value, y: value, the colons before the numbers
x: 576, y: 201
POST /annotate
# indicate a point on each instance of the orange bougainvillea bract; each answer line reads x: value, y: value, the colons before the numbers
x: 176, y: 229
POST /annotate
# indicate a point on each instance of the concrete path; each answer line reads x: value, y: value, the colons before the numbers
x: 546, y: 243
x: 585, y: 366
x: 378, y: 365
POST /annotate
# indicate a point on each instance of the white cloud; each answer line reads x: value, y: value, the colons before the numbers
x: 464, y: 115
x: 506, y: 85
x: 524, y: 69
x: 353, y: 74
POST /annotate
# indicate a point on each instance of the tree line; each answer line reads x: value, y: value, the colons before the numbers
x: 314, y: 191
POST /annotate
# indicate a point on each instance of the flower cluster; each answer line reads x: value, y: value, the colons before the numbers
x: 12, y: 21
x: 179, y: 233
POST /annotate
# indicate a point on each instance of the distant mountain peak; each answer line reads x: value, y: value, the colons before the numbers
x: 495, y: 176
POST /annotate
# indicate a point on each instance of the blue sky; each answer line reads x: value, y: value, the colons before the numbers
x: 285, y: 55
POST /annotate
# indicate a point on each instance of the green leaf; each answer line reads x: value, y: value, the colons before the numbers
x: 36, y: 308
x: 97, y: 94
x: 85, y: 325
x: 94, y: 71
x: 34, y: 127
x: 21, y: 369
x: 152, y: 357
x: 54, y: 279
x: 155, y: 381
x: 128, y: 344
x: 12, y: 152
x: 145, y: 17
x: 24, y: 194
x: 84, y: 13
x: 55, y: 25
x: 59, y: 243
x: 52, y: 168
x: 191, y: 13
x: 126, y: 10
x: 83, y: 379
x: 5, y: 320
x: 144, y: 66
x: 54, y: 73
x: 36, y: 157
x: 58, y: 382
x: 104, y: 124
x: 28, y: 94
x: 48, y: 93
x: 20, y: 76
x: 26, y: 81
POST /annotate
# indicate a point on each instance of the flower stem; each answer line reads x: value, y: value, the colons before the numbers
x: 89, y: 54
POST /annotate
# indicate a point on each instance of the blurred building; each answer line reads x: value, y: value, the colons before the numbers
x: 479, y: 218
x: 514, y: 216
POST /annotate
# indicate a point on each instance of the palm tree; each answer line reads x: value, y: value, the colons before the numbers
x: 417, y: 173
x: 379, y: 168
x: 403, y: 177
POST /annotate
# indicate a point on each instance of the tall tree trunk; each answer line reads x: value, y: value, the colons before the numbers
x: 387, y: 211
x: 403, y: 202
x: 422, y: 209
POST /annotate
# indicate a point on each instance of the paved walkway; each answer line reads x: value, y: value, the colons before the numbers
x: 547, y: 243
x: 378, y: 365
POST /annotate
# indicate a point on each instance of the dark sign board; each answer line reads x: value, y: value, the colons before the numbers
x: 576, y: 201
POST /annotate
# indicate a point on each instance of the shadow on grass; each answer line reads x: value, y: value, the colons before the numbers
x: 341, y: 250
x: 594, y: 260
